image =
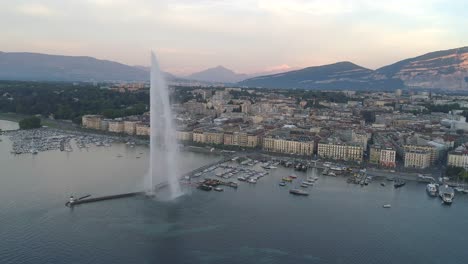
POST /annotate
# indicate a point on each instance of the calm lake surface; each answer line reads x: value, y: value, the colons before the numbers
x: 262, y: 223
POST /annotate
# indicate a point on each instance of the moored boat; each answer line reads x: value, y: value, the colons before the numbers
x: 308, y: 182
x: 282, y: 183
x: 298, y: 192
x: 431, y: 189
x: 205, y: 187
x: 446, y: 193
x: 399, y: 183
x: 287, y: 179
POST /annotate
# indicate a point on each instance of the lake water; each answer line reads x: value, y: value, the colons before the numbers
x: 262, y: 223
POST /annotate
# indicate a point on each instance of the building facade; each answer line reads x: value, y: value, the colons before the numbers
x: 340, y: 151
x: 417, y: 159
x: 214, y: 137
x: 288, y: 146
x: 142, y: 129
x: 186, y: 136
x: 198, y: 136
x: 92, y: 121
x: 385, y: 157
x: 458, y: 158
x: 433, y: 152
x: 116, y: 126
x: 130, y: 127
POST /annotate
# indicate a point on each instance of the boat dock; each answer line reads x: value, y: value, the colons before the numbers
x: 102, y: 198
x: 201, y: 169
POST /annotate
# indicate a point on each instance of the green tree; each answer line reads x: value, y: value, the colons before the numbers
x: 30, y: 122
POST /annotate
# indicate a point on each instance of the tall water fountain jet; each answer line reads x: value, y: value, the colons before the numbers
x: 163, y: 168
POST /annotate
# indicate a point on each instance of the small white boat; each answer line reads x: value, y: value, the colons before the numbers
x: 218, y: 189
x: 387, y: 206
x: 310, y: 183
x: 431, y: 189
x: 252, y: 180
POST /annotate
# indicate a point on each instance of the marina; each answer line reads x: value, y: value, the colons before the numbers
x: 33, y: 141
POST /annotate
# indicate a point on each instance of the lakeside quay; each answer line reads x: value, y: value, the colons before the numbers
x: 78, y: 131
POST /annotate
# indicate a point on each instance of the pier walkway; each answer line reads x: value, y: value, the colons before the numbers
x: 200, y: 169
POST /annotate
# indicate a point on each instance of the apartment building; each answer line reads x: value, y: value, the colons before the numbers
x: 417, y: 159
x: 340, y: 151
x: 304, y: 147
x: 92, y: 121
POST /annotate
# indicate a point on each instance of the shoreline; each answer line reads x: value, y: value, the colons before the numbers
x: 75, y: 130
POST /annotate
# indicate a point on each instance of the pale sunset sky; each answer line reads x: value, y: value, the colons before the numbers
x: 247, y: 36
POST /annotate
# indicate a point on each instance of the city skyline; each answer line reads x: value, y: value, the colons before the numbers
x: 245, y: 36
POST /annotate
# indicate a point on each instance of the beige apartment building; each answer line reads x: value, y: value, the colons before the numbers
x: 417, y: 159
x: 242, y: 139
x: 184, y: 136
x: 92, y: 121
x: 288, y: 146
x: 458, y: 158
x: 382, y: 156
x: 198, y: 136
x: 116, y: 126
x: 340, y: 151
x: 214, y: 137
x: 142, y: 129
x: 254, y: 140
x: 433, y: 153
x: 130, y: 127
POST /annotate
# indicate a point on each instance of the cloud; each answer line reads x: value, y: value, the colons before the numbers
x: 36, y: 9
x: 331, y: 7
x: 282, y: 67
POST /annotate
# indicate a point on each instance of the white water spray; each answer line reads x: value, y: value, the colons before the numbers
x: 163, y: 168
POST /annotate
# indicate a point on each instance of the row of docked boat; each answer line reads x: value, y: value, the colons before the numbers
x: 445, y: 192
x: 214, y: 184
x: 304, y: 184
x: 309, y: 182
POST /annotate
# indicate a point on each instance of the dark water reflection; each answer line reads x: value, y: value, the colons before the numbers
x: 262, y: 223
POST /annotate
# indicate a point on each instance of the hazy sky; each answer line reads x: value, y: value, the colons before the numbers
x: 244, y: 35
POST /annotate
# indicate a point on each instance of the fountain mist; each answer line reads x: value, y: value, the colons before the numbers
x: 163, y: 168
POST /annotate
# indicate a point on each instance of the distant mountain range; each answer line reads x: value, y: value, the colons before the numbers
x: 341, y: 75
x: 43, y: 67
x: 440, y: 69
x: 217, y: 74
x: 447, y: 69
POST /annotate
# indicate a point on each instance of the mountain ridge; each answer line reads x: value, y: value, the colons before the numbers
x: 45, y: 67
x: 447, y: 69
x: 219, y: 74
x: 438, y: 69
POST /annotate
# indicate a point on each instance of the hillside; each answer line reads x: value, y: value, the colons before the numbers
x: 218, y: 74
x: 446, y: 69
x: 341, y: 75
x: 43, y: 67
